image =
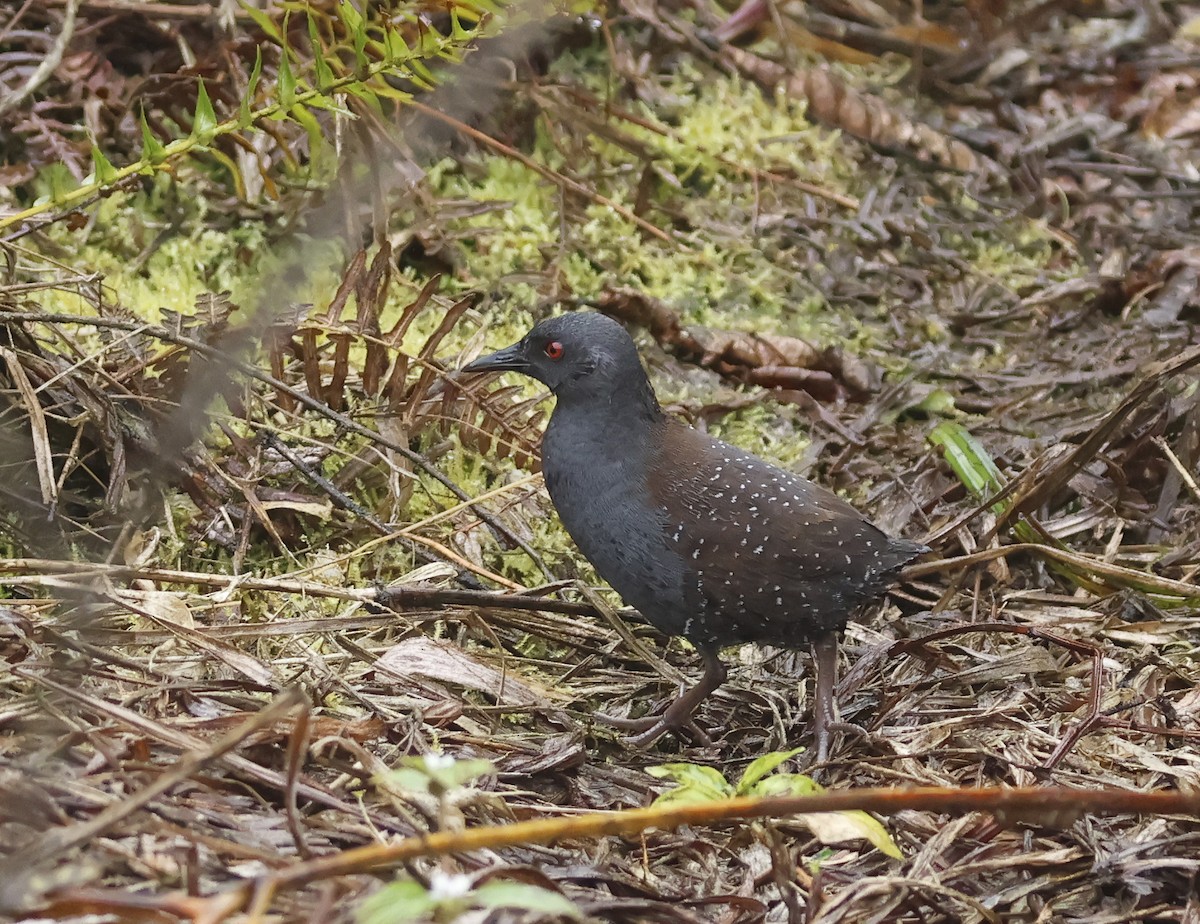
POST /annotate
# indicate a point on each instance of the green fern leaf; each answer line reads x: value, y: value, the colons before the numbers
x: 264, y: 22
x: 324, y: 71
x: 285, y: 88
x: 152, y: 150
x: 245, y: 114
x: 103, y: 172
x: 204, y: 122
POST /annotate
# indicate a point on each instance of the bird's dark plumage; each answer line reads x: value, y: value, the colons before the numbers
x: 706, y: 540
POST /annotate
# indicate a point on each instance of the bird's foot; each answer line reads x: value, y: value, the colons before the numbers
x: 850, y: 728
x: 648, y: 729
x: 626, y: 724
x: 818, y: 757
x: 676, y: 717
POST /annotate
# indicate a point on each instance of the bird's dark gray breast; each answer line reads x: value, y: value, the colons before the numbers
x: 596, y: 475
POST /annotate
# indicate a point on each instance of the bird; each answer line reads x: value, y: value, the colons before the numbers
x: 706, y: 540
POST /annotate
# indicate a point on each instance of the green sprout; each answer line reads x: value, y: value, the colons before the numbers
x: 696, y: 783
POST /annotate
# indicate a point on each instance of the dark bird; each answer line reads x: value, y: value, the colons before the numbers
x: 706, y: 540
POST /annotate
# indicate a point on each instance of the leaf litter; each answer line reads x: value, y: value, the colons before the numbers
x: 153, y: 759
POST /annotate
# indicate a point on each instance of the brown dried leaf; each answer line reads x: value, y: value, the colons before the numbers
x: 446, y: 662
x: 370, y: 295
x: 769, y: 360
x: 412, y: 310
x: 335, y: 392
x: 164, y: 606
x: 862, y: 115
x: 349, y: 283
x: 43, y: 455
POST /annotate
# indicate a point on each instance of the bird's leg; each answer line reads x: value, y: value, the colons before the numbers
x: 824, y: 652
x: 678, y: 715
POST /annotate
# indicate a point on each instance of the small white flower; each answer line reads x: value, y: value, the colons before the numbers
x: 435, y: 762
x: 444, y: 885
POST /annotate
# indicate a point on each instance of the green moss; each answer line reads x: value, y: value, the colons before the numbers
x: 149, y: 266
x: 719, y: 132
x: 476, y: 475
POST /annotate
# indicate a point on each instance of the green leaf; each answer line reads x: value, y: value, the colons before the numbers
x: 317, y: 145
x: 689, y: 793
x: 838, y: 827
x: 230, y: 165
x: 526, y: 896
x: 329, y: 104
x: 421, y: 75
x: 404, y: 779
x: 152, y: 150
x: 263, y: 21
x: 285, y: 87
x: 360, y: 54
x: 455, y: 54
x: 696, y: 783
x: 53, y: 182
x: 395, y: 49
x: 435, y: 773
x: 356, y: 29
x: 690, y: 773
x: 401, y: 901
x: 103, y: 172
x: 204, y: 122
x: 818, y: 859
x: 386, y: 91
x: 367, y: 95
x: 461, y: 771
x: 457, y: 32
x: 786, y: 784
x: 970, y: 461
x: 350, y: 16
x: 761, y: 767
x: 324, y: 72
x: 245, y: 115
x: 975, y: 469
x: 938, y: 403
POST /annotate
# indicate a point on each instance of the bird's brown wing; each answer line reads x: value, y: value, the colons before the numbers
x: 772, y: 556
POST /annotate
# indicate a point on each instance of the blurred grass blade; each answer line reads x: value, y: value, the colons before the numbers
x: 969, y: 460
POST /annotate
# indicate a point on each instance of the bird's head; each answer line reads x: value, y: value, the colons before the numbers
x: 582, y: 355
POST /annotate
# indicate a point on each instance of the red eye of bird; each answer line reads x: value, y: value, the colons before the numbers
x: 554, y: 350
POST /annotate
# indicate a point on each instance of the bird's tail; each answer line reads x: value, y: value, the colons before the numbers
x: 902, y: 551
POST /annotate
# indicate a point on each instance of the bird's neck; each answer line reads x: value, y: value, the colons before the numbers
x: 626, y: 410
x: 619, y: 424
x: 596, y: 458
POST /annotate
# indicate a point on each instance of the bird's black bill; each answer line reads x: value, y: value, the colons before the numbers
x: 511, y: 357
